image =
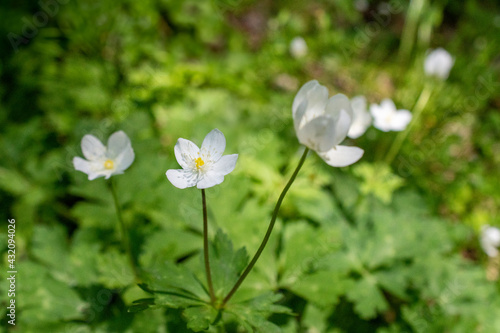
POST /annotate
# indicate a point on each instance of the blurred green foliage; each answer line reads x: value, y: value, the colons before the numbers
x: 371, y: 248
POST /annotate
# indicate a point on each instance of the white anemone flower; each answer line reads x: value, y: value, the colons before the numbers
x: 362, y: 118
x: 102, y: 161
x: 490, y: 240
x: 298, y: 47
x: 438, y: 63
x: 388, y: 118
x: 321, y: 124
x: 205, y: 167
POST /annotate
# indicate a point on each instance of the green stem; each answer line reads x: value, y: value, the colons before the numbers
x: 269, y: 230
x: 205, y: 248
x: 417, y: 111
x: 123, y: 230
x: 408, y: 35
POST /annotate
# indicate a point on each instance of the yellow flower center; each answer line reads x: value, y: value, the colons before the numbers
x: 108, y: 164
x: 199, y: 163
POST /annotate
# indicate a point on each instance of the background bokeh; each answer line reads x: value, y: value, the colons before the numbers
x: 367, y: 248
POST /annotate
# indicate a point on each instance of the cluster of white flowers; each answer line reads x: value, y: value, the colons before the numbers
x: 321, y: 124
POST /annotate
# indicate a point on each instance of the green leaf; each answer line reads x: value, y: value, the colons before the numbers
x: 321, y: 288
x: 226, y: 264
x: 74, y: 265
x: 366, y: 296
x: 199, y: 318
x: 395, y: 281
x: 176, y: 286
x: 168, y: 244
x: 252, y: 314
x: 378, y: 180
x: 50, y: 300
x: 114, y: 269
x: 303, y: 247
x: 13, y: 182
x: 138, y: 307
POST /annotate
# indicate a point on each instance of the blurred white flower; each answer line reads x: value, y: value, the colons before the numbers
x: 490, y: 240
x: 322, y: 124
x: 362, y: 118
x: 102, y: 161
x: 298, y: 47
x: 205, y: 167
x: 361, y: 5
x: 388, y: 118
x: 438, y: 63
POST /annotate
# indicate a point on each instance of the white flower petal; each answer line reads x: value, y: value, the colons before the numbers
x: 225, y: 165
x: 97, y: 170
x: 301, y: 95
x: 378, y: 112
x: 117, y: 143
x: 388, y: 118
x: 400, y: 120
x: 298, y: 47
x: 388, y: 105
x: 315, y: 96
x: 490, y: 240
x: 92, y: 148
x: 81, y: 165
x: 341, y: 156
x: 125, y: 159
x: 299, y: 114
x: 186, y: 152
x: 338, y: 103
x: 342, y: 127
x: 109, y: 173
x: 359, y: 126
x: 181, y: 178
x: 438, y: 63
x: 213, y: 146
x: 210, y: 179
x: 318, y: 134
x: 358, y: 105
x: 339, y: 108
x: 382, y: 125
x: 362, y: 118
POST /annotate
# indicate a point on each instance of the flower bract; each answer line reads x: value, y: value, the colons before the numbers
x: 388, y: 118
x: 362, y: 118
x: 322, y: 123
x: 205, y: 167
x: 438, y: 63
x: 105, y: 161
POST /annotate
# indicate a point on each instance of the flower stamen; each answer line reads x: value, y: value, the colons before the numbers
x: 199, y: 163
x: 108, y: 165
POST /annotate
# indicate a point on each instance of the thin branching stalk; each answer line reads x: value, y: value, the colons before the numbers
x: 269, y: 230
